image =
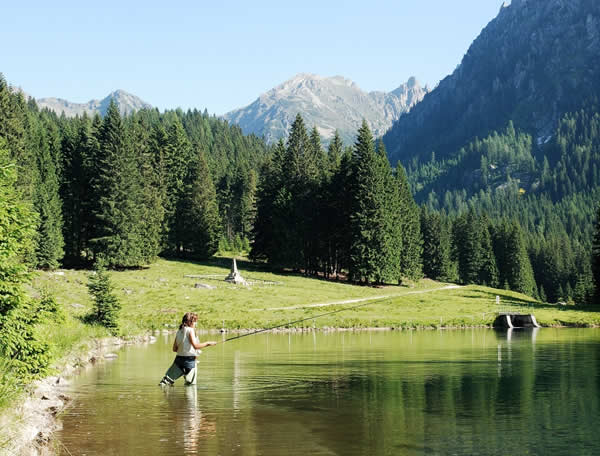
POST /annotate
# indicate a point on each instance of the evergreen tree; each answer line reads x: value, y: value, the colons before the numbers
x: 412, y: 242
x: 269, y: 231
x: 334, y: 152
x: 16, y: 231
x: 150, y: 198
x: 197, y: 227
x: 47, y: 203
x: 596, y: 260
x: 78, y: 149
x: 371, y: 240
x: 106, y: 305
x: 488, y: 275
x: 436, y: 246
x: 467, y: 247
x: 294, y: 204
x: 515, y: 266
x: 177, y: 158
x: 118, y: 235
x: 18, y: 313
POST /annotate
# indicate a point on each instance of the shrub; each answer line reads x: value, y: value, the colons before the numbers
x: 106, y: 305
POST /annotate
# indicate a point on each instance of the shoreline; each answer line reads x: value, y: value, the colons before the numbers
x: 32, y: 421
x: 35, y: 417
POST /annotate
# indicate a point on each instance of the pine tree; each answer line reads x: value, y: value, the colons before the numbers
x: 268, y: 230
x: 596, y: 259
x: 118, y: 235
x: 78, y: 149
x: 197, y: 227
x: 47, y: 203
x: 371, y: 242
x: 248, y: 182
x: 334, y: 152
x: 294, y: 204
x: 106, y: 305
x: 488, y: 274
x: 18, y: 313
x: 177, y: 159
x: 513, y: 259
x: 412, y: 242
x: 150, y: 198
x: 436, y: 246
x: 466, y: 237
x: 16, y: 232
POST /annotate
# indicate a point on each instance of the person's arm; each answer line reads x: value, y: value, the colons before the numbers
x: 175, y: 347
x: 196, y: 344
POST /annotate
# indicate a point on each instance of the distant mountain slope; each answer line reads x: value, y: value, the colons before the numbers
x: 126, y: 102
x: 330, y: 103
x: 537, y: 60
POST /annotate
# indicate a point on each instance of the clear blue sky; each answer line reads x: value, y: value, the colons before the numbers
x: 222, y: 55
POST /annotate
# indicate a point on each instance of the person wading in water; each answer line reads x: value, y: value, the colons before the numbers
x: 187, y: 347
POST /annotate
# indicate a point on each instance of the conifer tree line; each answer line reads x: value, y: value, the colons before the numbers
x: 177, y: 183
x: 340, y: 212
x: 551, y: 185
x: 129, y: 188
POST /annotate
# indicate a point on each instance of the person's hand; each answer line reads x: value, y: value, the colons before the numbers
x: 211, y: 342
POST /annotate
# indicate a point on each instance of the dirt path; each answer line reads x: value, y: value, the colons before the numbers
x: 353, y: 301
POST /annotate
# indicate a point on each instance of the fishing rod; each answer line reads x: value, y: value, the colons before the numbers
x: 304, y: 319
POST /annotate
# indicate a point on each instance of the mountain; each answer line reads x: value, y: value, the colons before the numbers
x: 126, y: 102
x: 513, y: 134
x: 330, y: 103
x: 537, y: 60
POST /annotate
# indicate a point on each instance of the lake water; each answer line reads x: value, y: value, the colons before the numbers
x: 472, y: 392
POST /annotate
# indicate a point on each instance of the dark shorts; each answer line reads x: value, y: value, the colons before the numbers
x: 185, y: 363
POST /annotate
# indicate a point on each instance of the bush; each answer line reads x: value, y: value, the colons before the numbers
x: 106, y: 305
x: 9, y: 382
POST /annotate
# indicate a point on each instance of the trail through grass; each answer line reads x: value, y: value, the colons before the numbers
x: 156, y: 298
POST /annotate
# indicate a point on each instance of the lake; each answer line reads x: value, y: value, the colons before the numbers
x: 460, y: 392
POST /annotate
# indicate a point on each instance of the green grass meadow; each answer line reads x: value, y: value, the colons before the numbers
x: 156, y: 297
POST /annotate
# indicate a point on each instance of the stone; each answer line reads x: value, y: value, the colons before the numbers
x: 234, y: 276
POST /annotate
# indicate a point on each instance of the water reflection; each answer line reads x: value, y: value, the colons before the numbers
x: 411, y: 393
x: 186, y: 419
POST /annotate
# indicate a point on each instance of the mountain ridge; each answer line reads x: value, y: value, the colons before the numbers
x: 126, y: 102
x: 329, y: 103
x: 532, y: 63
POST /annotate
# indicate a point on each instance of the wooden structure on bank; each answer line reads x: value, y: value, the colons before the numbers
x: 515, y: 320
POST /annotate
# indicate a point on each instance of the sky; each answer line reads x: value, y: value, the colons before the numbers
x: 223, y: 55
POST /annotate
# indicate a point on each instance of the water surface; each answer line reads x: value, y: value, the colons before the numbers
x: 473, y: 392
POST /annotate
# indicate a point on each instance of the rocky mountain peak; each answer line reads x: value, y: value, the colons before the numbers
x: 537, y: 60
x: 330, y: 103
x: 126, y: 102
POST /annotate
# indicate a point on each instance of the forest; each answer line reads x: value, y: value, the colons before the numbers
x: 122, y: 191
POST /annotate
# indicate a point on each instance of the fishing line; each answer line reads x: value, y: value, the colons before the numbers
x: 304, y: 319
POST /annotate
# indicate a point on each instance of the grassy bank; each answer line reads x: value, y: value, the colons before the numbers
x: 156, y: 297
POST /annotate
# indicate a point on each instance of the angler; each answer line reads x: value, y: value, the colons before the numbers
x: 187, y: 347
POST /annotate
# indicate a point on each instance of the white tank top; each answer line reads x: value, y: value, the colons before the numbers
x: 184, y: 346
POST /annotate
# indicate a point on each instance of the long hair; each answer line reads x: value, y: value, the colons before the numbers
x: 188, y: 319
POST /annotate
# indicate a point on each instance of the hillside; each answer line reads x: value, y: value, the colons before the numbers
x: 330, y: 103
x: 536, y: 61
